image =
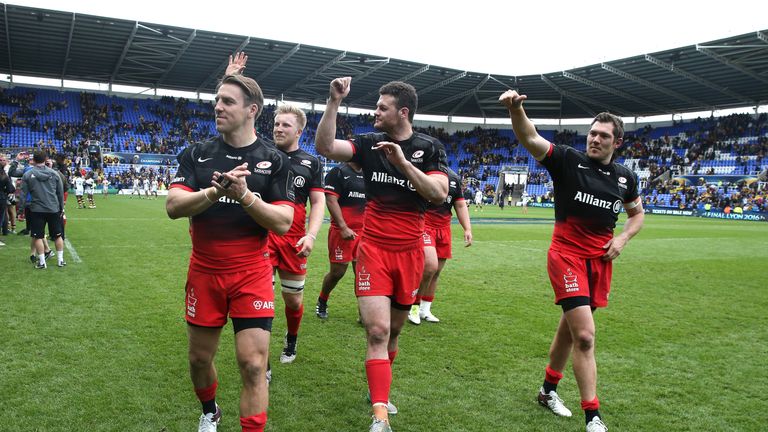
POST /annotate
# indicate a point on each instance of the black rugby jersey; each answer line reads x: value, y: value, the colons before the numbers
x: 224, y: 236
x: 394, y: 214
x: 307, y: 176
x: 349, y: 186
x: 588, y: 199
x: 438, y: 216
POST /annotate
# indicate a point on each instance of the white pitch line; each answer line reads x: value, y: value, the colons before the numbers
x: 72, y: 251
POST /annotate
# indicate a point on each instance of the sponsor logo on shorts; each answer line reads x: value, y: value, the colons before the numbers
x: 191, y: 302
x: 571, y: 282
x: 363, y: 280
x: 259, y: 305
x: 339, y: 253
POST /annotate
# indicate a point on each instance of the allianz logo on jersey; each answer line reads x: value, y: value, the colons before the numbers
x: 590, y: 199
x: 355, y: 194
x: 382, y: 177
x: 227, y: 200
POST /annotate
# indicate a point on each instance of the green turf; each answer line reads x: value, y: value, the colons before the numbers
x: 100, y: 345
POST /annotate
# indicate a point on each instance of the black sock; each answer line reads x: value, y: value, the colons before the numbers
x: 322, y: 302
x: 209, y: 407
x: 548, y: 387
x: 291, y: 338
x: 590, y: 414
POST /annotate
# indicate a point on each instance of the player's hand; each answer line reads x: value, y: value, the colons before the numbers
x: 305, y: 245
x: 393, y: 153
x: 347, y: 234
x: 467, y: 238
x: 613, y: 248
x: 512, y: 100
x: 236, y: 64
x: 340, y: 88
x: 237, y: 185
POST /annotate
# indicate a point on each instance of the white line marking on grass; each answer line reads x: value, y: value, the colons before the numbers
x: 72, y: 251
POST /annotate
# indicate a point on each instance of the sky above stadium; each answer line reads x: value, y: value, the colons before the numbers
x: 498, y: 37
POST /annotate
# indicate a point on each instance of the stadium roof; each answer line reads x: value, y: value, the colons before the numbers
x: 725, y: 73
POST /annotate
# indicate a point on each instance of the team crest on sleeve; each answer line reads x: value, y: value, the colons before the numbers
x: 306, y: 162
x: 299, y: 181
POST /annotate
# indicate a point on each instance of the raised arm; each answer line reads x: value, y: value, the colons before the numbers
x: 524, y: 129
x: 236, y: 64
x: 325, y: 138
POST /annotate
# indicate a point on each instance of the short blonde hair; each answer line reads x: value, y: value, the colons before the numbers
x: 292, y: 109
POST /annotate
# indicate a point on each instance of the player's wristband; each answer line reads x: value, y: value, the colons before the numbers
x: 633, y: 204
x: 312, y: 236
x: 245, y: 192
x: 205, y: 193
x: 253, y: 201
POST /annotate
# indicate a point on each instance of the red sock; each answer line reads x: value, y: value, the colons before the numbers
x: 592, y: 405
x: 323, y: 296
x: 293, y: 319
x: 552, y: 376
x: 207, y: 393
x: 418, y: 300
x: 392, y: 355
x: 254, y: 423
x: 379, y: 373
x: 428, y: 298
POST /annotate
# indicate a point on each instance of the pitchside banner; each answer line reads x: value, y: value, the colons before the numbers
x: 713, y: 214
x: 138, y: 158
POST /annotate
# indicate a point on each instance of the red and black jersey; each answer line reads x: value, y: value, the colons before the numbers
x: 349, y: 186
x: 438, y: 216
x: 588, y: 199
x: 394, y: 214
x: 307, y: 176
x: 224, y: 236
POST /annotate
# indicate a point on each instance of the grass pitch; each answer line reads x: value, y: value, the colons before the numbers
x: 101, y: 346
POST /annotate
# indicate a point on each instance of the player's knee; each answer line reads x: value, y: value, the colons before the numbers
x: 338, y: 272
x: 378, y: 334
x: 251, y: 369
x: 292, y: 286
x: 585, y: 340
x: 200, y: 359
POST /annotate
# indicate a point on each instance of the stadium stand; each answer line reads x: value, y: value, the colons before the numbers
x: 67, y: 123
